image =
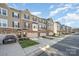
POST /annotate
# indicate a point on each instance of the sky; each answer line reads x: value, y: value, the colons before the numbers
x: 65, y: 13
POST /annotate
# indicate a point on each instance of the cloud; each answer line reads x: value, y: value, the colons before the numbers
x: 68, y: 5
x: 20, y: 6
x: 77, y: 11
x: 70, y: 19
x: 13, y: 5
x: 72, y: 16
x: 58, y: 10
x: 37, y: 13
x: 51, y: 6
x: 69, y: 23
x: 77, y: 7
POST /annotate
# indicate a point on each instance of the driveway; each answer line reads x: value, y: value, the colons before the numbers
x: 13, y: 49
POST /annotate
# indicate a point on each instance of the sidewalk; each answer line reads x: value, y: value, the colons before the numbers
x: 13, y: 49
x: 30, y: 51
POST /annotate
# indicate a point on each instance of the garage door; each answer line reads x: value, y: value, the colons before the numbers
x: 32, y: 34
x: 50, y: 33
x: 42, y: 34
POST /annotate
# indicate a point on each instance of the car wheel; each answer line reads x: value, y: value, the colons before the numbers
x: 4, y: 42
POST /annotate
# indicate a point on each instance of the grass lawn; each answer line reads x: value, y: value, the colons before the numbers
x: 25, y: 42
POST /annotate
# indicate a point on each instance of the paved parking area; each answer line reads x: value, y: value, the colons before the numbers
x: 13, y: 49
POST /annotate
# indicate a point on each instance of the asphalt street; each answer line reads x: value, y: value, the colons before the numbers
x: 68, y: 47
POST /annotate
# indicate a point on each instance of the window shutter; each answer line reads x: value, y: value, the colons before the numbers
x: 12, y: 24
x: 28, y: 17
x: 18, y: 15
x: 18, y: 25
x: 0, y: 10
x: 12, y: 14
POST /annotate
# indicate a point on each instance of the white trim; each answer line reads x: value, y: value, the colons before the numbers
x: 16, y: 28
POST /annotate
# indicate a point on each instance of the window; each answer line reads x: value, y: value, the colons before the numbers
x: 34, y: 19
x: 3, y: 23
x: 39, y: 20
x: 26, y: 16
x: 35, y: 27
x: 3, y: 11
x: 26, y: 25
x: 15, y: 24
x: 43, y: 26
x: 40, y: 26
x: 14, y: 14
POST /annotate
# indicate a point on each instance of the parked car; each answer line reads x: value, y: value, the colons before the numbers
x: 7, y: 38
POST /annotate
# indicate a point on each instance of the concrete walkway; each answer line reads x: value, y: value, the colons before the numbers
x: 13, y: 49
x: 33, y: 50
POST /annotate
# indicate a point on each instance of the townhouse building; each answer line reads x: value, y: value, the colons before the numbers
x: 66, y: 29
x: 21, y: 23
x: 63, y: 29
x: 50, y: 27
x: 42, y: 27
x: 24, y: 24
x: 5, y: 21
x: 75, y: 30
x: 14, y: 19
x: 33, y: 26
x: 57, y: 28
x: 29, y: 24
